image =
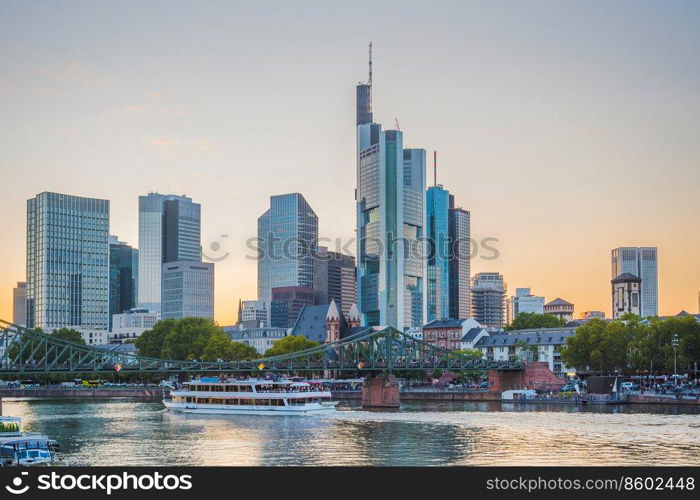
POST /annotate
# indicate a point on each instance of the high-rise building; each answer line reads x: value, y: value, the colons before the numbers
x: 123, y: 277
x: 390, y: 200
x: 169, y: 231
x: 437, y: 222
x: 287, y: 302
x: 488, y: 299
x: 19, y: 304
x: 67, y: 262
x: 524, y: 302
x: 641, y: 262
x: 334, y: 279
x: 188, y: 290
x: 627, y: 291
x: 460, y: 261
x: 287, y: 237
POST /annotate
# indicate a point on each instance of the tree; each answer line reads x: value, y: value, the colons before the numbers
x: 190, y: 339
x: 68, y: 334
x: 524, y: 321
x: 290, y: 344
x: 220, y: 347
x: 603, y: 347
x: 531, y: 351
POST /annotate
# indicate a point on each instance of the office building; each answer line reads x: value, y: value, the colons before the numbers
x: 459, y: 221
x: 390, y: 200
x: 287, y: 237
x: 67, y: 262
x: 334, y: 279
x: 437, y: 203
x: 123, y: 277
x: 130, y: 324
x: 643, y: 263
x: 19, y: 304
x: 169, y: 231
x: 254, y: 313
x: 524, y: 302
x: 488, y: 299
x: 188, y: 290
x: 261, y: 338
x: 287, y: 302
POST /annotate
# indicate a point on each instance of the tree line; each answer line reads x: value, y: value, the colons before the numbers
x: 634, y: 345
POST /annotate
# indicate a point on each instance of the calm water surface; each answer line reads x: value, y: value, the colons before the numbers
x: 127, y: 432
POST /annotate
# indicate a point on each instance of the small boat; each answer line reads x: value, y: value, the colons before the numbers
x: 25, y: 448
x: 216, y: 396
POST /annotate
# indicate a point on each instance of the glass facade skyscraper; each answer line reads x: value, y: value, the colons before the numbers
x: 438, y: 256
x: 641, y: 262
x: 460, y: 261
x: 390, y: 200
x: 123, y: 277
x: 67, y: 262
x: 287, y: 237
x: 169, y: 231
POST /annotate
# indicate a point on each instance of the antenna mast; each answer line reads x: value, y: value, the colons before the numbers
x: 369, y: 81
x: 435, y: 168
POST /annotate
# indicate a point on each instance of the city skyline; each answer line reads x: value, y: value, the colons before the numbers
x: 621, y: 135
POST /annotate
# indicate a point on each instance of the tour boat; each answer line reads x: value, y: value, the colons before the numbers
x: 25, y: 448
x: 249, y: 397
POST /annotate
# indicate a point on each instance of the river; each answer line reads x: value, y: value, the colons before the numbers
x: 123, y: 432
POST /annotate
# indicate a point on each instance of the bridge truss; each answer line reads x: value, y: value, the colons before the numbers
x: 24, y: 352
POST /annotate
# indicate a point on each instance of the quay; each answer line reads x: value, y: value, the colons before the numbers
x: 146, y: 393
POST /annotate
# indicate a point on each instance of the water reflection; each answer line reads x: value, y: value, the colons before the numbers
x: 124, y: 432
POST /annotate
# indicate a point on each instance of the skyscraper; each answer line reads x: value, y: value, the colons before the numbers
x: 188, y: 290
x: 19, y: 304
x: 67, y: 262
x: 390, y: 200
x: 438, y: 253
x: 287, y: 237
x: 460, y: 261
x: 334, y: 279
x: 123, y: 277
x: 488, y: 299
x: 169, y: 231
x: 640, y: 262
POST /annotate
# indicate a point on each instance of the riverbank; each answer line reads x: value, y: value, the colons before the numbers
x: 144, y: 393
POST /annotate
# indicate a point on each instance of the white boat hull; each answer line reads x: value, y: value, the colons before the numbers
x: 208, y: 409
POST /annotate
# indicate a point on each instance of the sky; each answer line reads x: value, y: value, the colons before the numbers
x: 565, y: 128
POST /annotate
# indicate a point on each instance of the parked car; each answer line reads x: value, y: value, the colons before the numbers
x: 629, y: 386
x: 484, y: 385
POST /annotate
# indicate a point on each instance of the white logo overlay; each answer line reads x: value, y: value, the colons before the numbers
x: 16, y: 488
x: 103, y: 482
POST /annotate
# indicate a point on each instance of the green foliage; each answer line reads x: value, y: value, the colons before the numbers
x: 62, y: 333
x: 629, y: 343
x: 290, y: 344
x: 191, y: 339
x: 470, y: 353
x: 531, y: 351
x: 525, y: 321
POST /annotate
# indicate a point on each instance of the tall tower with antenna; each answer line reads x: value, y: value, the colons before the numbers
x: 390, y: 218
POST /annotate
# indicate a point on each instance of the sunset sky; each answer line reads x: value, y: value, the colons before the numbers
x: 566, y: 128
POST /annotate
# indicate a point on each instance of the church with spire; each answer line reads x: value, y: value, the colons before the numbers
x: 326, y: 323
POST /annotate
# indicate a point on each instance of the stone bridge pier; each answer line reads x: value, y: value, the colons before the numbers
x: 534, y: 375
x: 380, y: 391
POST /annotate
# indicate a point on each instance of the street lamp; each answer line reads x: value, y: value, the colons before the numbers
x: 675, y: 358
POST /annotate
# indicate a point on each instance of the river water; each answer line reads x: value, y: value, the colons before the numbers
x: 124, y: 432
